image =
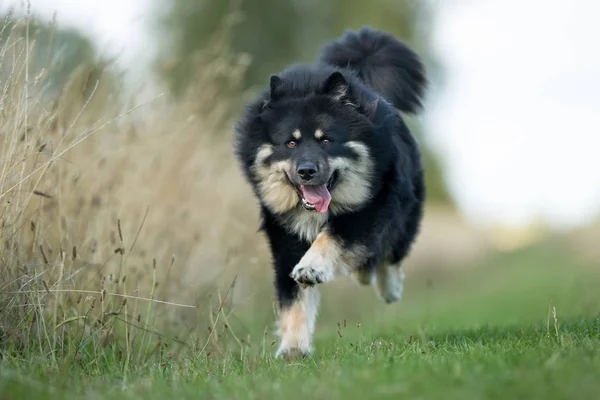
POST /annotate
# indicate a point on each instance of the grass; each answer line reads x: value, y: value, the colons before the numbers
x: 126, y: 272
x: 489, y: 332
x: 484, y: 363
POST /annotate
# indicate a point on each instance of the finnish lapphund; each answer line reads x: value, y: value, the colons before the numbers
x: 337, y: 172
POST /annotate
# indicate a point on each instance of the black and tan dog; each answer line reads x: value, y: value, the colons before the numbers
x: 337, y: 172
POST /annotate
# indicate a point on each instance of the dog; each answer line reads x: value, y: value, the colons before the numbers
x: 337, y: 172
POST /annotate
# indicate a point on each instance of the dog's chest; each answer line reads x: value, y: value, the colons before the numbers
x: 306, y: 224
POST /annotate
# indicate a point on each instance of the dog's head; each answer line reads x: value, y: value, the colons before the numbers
x: 312, y: 152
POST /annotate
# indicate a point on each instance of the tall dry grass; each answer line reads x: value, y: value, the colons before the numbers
x: 119, y: 218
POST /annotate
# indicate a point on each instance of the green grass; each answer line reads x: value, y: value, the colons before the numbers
x: 488, y: 332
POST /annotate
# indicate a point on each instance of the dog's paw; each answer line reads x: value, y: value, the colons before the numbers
x: 392, y: 296
x: 308, y: 276
x: 292, y: 353
x: 313, y: 269
x: 390, y: 283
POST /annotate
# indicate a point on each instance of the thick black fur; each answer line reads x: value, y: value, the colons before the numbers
x: 379, y: 76
x: 383, y: 63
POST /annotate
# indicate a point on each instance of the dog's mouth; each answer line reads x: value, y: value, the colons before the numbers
x: 315, y: 197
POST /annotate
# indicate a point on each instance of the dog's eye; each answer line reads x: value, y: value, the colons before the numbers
x: 291, y: 144
x: 326, y: 141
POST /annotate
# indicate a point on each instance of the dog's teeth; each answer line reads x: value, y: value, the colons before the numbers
x: 307, y: 205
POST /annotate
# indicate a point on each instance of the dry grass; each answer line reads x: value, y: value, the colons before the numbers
x: 106, y: 206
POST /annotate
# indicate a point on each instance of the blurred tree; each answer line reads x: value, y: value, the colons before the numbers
x: 55, y: 54
x: 275, y: 33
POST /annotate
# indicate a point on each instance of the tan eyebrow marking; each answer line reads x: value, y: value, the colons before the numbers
x: 319, y: 134
x: 297, y: 134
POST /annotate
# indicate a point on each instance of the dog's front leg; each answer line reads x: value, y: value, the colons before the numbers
x: 297, y: 323
x: 299, y: 298
x: 327, y: 257
x: 298, y: 305
x: 319, y: 263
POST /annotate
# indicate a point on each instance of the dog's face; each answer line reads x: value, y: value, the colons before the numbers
x: 314, y: 155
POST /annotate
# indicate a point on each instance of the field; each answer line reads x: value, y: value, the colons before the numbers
x: 130, y: 267
x: 495, y: 332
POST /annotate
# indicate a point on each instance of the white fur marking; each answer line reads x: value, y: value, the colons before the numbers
x: 273, y: 186
x: 297, y: 134
x: 263, y: 152
x: 319, y: 134
x: 306, y: 224
x: 353, y: 187
x: 297, y: 324
x: 389, y: 281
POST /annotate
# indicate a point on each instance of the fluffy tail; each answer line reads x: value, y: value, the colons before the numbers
x: 382, y: 62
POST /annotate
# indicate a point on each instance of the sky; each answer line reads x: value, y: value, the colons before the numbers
x: 517, y: 120
x: 117, y: 26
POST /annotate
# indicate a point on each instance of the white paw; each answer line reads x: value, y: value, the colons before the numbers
x: 390, y: 283
x: 313, y: 268
x: 291, y: 352
x: 392, y: 296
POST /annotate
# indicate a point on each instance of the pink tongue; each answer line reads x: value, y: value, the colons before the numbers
x: 317, y: 195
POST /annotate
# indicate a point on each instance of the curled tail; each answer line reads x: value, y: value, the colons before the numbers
x: 382, y: 62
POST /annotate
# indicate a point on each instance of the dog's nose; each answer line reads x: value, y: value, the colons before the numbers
x: 307, y: 171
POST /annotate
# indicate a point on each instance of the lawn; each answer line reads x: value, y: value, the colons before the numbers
x: 521, y: 325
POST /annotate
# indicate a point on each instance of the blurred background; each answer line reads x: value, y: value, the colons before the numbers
x: 138, y: 98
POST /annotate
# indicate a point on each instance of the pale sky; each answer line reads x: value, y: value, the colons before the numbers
x: 118, y: 26
x: 517, y: 122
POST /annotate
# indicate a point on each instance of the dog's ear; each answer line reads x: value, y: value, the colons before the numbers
x: 336, y: 87
x: 274, y: 83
